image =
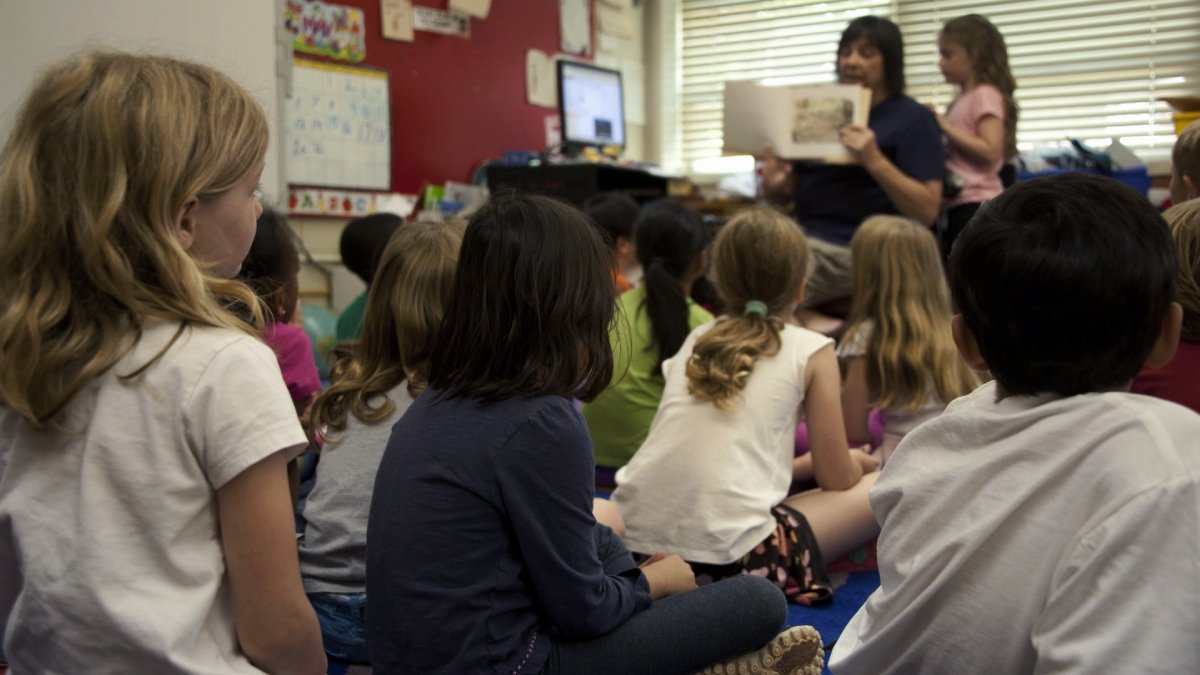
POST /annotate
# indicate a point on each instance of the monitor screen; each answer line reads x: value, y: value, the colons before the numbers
x: 590, y: 105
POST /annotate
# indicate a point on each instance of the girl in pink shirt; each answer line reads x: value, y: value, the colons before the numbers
x: 980, y: 124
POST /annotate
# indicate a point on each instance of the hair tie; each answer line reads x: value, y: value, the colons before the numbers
x: 756, y: 307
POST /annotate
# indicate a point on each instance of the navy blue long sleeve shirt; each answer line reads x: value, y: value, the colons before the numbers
x: 480, y: 547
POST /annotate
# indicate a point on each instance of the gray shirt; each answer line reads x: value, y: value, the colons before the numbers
x: 333, y: 550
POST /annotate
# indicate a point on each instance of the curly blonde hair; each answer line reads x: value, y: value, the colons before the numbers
x: 759, y: 255
x: 900, y: 292
x: 405, y: 304
x: 1184, y: 220
x: 104, y: 154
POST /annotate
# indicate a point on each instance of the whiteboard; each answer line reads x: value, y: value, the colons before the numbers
x: 338, y: 127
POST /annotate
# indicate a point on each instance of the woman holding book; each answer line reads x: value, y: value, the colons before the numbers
x: 897, y: 169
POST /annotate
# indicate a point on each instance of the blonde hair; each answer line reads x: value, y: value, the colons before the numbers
x: 985, y: 47
x: 1185, y: 156
x: 1185, y: 230
x: 759, y: 255
x: 900, y: 292
x: 408, y: 296
x: 104, y: 154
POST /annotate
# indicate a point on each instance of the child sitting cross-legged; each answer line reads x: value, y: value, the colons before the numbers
x: 1047, y: 521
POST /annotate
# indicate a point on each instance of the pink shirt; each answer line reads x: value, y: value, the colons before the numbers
x: 296, y: 361
x: 966, y: 112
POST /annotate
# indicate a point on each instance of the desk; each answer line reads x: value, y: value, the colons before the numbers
x: 576, y: 182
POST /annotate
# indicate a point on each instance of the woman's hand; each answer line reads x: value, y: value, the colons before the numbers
x: 860, y: 140
x: 668, y: 575
x: 776, y: 175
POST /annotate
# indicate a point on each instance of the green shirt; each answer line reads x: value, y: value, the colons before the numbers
x: 620, y: 417
x: 349, y: 323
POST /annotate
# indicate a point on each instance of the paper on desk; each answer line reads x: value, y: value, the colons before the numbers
x: 397, y: 19
x: 575, y: 26
x: 476, y: 8
x: 540, y: 86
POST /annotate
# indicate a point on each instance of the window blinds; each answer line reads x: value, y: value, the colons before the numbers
x: 1087, y: 69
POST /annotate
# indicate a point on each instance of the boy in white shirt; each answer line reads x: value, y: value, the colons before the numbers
x: 1047, y: 522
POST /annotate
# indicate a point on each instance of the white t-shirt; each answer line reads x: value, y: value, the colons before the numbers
x: 898, y: 421
x: 1037, y: 535
x: 110, y: 549
x: 703, y: 484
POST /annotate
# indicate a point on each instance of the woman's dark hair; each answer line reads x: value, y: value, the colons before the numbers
x: 272, y: 266
x: 615, y: 213
x: 1064, y: 282
x: 532, y: 303
x: 363, y: 240
x: 669, y: 238
x: 883, y: 35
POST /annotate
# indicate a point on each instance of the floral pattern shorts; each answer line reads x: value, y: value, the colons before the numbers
x: 789, y: 557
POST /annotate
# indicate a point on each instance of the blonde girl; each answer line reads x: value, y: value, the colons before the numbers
x: 145, y: 524
x: 373, y: 387
x: 980, y: 125
x: 711, y: 481
x: 897, y: 353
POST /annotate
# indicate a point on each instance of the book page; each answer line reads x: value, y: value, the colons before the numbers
x: 800, y: 122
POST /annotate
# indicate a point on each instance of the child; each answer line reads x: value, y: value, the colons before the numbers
x: 1185, y: 165
x: 711, y: 481
x: 360, y: 245
x: 1179, y: 380
x: 616, y: 213
x: 898, y: 354
x: 484, y: 555
x: 981, y: 123
x: 1015, y: 524
x: 271, y: 270
x: 388, y: 368
x: 653, y: 321
x: 144, y: 515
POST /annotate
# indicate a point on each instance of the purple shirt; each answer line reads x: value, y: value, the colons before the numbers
x: 296, y: 360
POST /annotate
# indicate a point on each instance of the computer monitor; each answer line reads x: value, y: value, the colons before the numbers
x: 590, y: 106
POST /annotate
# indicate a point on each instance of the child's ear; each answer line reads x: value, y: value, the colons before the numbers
x: 185, y: 223
x: 1190, y: 189
x: 968, y: 347
x: 1168, y: 337
x: 800, y: 293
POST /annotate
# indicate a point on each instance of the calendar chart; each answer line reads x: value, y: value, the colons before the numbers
x: 338, y: 127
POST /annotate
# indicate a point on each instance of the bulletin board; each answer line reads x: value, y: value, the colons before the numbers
x: 338, y: 127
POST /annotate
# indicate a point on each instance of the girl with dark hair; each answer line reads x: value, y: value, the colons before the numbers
x: 484, y: 553
x: 899, y: 164
x: 653, y: 321
x: 981, y: 123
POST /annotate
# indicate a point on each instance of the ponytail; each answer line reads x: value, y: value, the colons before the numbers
x: 670, y: 237
x: 724, y: 357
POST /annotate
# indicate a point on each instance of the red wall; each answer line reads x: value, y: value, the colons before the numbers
x: 455, y: 101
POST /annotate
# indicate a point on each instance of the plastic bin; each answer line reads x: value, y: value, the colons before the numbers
x: 1137, y: 178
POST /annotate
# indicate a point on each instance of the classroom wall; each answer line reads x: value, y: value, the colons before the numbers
x: 235, y: 36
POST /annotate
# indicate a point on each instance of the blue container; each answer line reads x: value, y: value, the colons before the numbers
x: 1137, y: 178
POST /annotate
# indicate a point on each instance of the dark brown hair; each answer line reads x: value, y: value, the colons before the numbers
x: 531, y: 307
x: 272, y: 266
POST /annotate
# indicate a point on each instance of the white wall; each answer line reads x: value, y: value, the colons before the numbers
x: 237, y: 37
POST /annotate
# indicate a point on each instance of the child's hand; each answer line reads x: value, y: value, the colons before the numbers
x: 668, y: 575
x: 867, y: 461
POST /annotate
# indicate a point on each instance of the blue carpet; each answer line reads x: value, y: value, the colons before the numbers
x: 831, y: 619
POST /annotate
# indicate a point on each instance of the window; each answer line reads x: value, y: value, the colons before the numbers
x: 1087, y: 69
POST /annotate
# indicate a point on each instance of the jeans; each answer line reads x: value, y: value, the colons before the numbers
x: 680, y: 634
x: 343, y: 619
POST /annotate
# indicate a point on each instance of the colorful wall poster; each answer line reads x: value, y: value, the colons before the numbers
x: 335, y: 31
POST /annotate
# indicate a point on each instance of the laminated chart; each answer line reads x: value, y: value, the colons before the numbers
x: 338, y: 127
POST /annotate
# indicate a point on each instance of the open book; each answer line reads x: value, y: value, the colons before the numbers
x: 800, y: 121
